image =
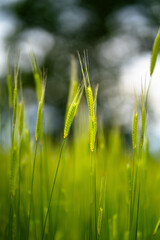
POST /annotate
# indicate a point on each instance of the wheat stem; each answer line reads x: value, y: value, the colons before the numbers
x: 32, y: 181
x: 53, y: 185
x: 19, y: 184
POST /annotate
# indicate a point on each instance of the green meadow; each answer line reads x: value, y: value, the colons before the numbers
x: 89, y: 184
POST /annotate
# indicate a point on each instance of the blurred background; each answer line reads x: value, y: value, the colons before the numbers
x: 118, y: 35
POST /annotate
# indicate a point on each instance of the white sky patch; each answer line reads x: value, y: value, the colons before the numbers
x: 8, y: 24
x: 117, y: 48
x: 131, y: 75
x: 41, y: 42
x: 136, y: 71
x: 7, y: 2
x: 2, y: 59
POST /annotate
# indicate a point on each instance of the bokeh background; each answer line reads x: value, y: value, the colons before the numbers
x: 119, y: 37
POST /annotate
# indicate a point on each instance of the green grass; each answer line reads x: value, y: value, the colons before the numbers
x: 92, y: 187
x: 72, y: 201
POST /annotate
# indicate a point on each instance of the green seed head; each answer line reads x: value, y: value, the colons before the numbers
x: 15, y: 107
x: 41, y: 128
x: 39, y: 121
x: 72, y: 111
x: 92, y: 132
x: 69, y: 118
x: 92, y: 103
x: 89, y: 95
x: 36, y: 74
x: 155, y: 51
x: 95, y: 99
x: 38, y: 83
x: 39, y: 124
x: 135, y: 131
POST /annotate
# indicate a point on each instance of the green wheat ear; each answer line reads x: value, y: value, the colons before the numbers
x: 93, y: 122
x: 20, y: 117
x: 72, y: 111
x: 36, y: 74
x: 15, y: 93
x: 92, y: 103
x: 92, y: 132
x: 135, y: 131
x: 9, y: 83
x: 20, y: 111
x: 155, y: 50
x: 39, y: 124
x: 39, y: 116
x: 95, y: 98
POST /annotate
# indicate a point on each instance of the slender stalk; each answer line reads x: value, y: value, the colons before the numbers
x: 41, y: 188
x: 19, y: 185
x: 93, y: 193
x: 147, y: 95
x: 47, y: 181
x: 10, y: 116
x: 12, y: 136
x: 132, y: 192
x: 11, y: 195
x: 53, y: 185
x: 95, y: 197
x: 0, y: 129
x: 30, y: 208
x: 93, y: 223
x: 56, y: 220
